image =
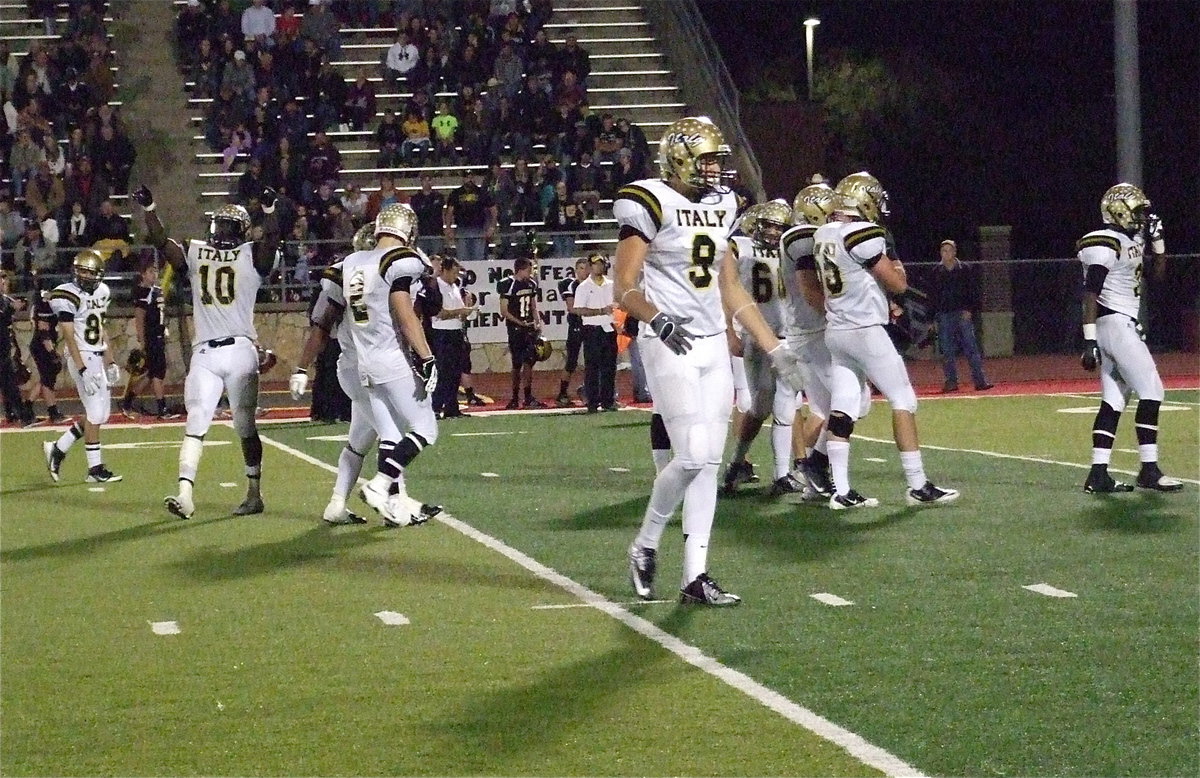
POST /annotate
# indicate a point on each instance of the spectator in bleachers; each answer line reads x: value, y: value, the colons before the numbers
x: 49, y: 227
x: 470, y: 218
x: 417, y: 143
x: 304, y: 68
x: 608, y: 141
x: 428, y: 204
x: 266, y: 70
x: 238, y: 77
x: 473, y: 132
x: 400, y: 59
x: 388, y: 137
x: 525, y: 205
x: 258, y: 24
x: 569, y: 91
x: 565, y: 219
x: 323, y: 162
x: 539, y: 15
x: 117, y: 156
x: 430, y: 73
x: 41, y: 68
x: 45, y: 10
x: 354, y: 200
x: 12, y: 226
x: 328, y: 96
x: 226, y: 112
x: 507, y: 70
x: 206, y: 69
x: 419, y: 103
x: 76, y: 149
x: 574, y: 58
x: 293, y: 125
x: 86, y: 186
x: 287, y: 29
x: 584, y: 183
x: 498, y: 11
x: 191, y: 27
x: 624, y: 172
x: 99, y: 78
x: 84, y: 22
x: 45, y: 190
x: 386, y: 195
x: 8, y: 76
x: 77, y: 227
x: 445, y: 133
x: 340, y: 223
x: 634, y: 139
x: 470, y: 70
x: 359, y: 105
x: 251, y: 183
x: 500, y: 185
x: 72, y: 100
x: 23, y: 161
x: 286, y: 169
x: 32, y: 254
x: 110, y: 235
x: 322, y: 27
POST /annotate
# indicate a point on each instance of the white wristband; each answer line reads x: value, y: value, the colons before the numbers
x: 1158, y: 246
x: 267, y: 210
x: 150, y: 207
x: 1089, y: 331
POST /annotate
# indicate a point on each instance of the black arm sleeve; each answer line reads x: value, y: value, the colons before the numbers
x: 1094, y: 281
x: 402, y: 284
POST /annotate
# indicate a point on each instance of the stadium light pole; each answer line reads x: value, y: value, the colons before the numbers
x: 810, y: 24
x: 1128, y: 92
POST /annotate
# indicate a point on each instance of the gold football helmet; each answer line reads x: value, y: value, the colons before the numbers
x: 813, y: 205
x: 364, y: 239
x: 1126, y: 206
x: 88, y: 269
x: 684, y: 144
x: 765, y: 223
x: 861, y: 195
x: 228, y: 227
x: 542, y: 349
x: 399, y: 221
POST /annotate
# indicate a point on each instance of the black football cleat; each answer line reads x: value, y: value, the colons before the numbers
x: 815, y: 476
x: 54, y: 459
x: 1151, y: 477
x: 643, y: 563
x: 512, y: 405
x: 736, y: 474
x: 786, y: 485
x: 101, y: 475
x: 1100, y: 482
x: 851, y: 499
x: 249, y: 507
x: 930, y: 495
x: 705, y: 591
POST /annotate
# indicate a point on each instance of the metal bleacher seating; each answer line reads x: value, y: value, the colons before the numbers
x: 629, y: 78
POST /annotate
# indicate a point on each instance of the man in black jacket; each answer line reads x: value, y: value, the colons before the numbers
x: 955, y: 295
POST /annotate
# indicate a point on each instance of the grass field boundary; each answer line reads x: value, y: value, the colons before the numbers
x: 853, y: 744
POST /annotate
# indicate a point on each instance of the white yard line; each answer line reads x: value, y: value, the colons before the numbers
x: 853, y: 744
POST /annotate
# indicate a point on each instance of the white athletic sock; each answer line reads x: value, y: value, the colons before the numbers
x: 68, y: 438
x: 185, y: 490
x: 189, y: 457
x: 1148, y: 452
x: 695, y: 556
x: 781, y: 446
x: 839, y: 464
x: 1101, y: 456
x: 350, y: 464
x: 699, y: 508
x: 665, y: 497
x: 93, y: 454
x: 914, y: 468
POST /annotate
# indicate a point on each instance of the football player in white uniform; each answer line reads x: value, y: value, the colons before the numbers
x: 225, y: 272
x: 81, y: 306
x: 856, y: 275
x: 395, y: 363
x: 756, y: 252
x: 1112, y: 262
x: 365, y: 426
x: 673, y: 230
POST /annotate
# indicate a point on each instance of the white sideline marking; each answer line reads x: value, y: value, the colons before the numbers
x: 1049, y: 590
x: 490, y: 475
x: 592, y: 605
x: 485, y: 434
x: 619, y: 469
x: 95, y: 488
x: 332, y: 438
x: 853, y: 744
x: 830, y: 599
x: 392, y: 619
x: 874, y: 459
x: 165, y: 627
x: 1088, y: 409
x: 141, y: 444
x: 227, y: 484
x: 998, y: 455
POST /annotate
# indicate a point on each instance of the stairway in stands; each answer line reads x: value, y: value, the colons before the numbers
x: 629, y: 77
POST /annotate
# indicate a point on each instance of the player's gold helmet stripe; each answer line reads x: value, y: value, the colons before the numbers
x: 644, y: 197
x: 863, y: 235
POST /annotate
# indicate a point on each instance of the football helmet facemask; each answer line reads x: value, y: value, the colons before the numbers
x: 688, y: 150
x: 364, y: 239
x: 1125, y: 206
x: 88, y: 270
x: 765, y: 223
x: 399, y: 221
x: 861, y: 195
x: 228, y: 227
x: 813, y: 205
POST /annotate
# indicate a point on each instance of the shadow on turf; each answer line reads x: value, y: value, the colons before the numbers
x: 93, y: 543
x: 1139, y: 514
x: 506, y: 729
x: 314, y: 545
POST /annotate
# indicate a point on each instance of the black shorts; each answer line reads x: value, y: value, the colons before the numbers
x: 49, y: 365
x: 574, y: 342
x: 156, y: 359
x: 521, y: 345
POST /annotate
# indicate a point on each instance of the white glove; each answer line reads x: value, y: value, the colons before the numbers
x: 298, y: 383
x: 428, y: 373
x: 91, y: 382
x: 787, y: 365
x: 112, y: 371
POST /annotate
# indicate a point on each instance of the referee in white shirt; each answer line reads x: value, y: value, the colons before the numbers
x: 594, y: 303
x: 449, y: 342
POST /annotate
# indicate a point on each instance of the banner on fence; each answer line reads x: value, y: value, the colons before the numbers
x: 482, y: 278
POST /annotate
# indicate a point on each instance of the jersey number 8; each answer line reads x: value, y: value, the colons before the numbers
x: 831, y: 277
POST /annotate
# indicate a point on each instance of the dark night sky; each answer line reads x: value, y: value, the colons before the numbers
x: 1035, y: 82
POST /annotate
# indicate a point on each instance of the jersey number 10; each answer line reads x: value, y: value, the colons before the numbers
x: 222, y: 285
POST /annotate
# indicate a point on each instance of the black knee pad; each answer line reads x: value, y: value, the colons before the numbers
x: 840, y: 425
x: 659, y: 439
x: 1107, y: 418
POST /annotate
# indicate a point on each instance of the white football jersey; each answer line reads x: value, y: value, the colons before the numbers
x: 844, y: 253
x: 224, y: 287
x: 88, y: 312
x: 758, y: 270
x: 1122, y: 255
x: 687, y: 241
x: 796, y: 247
x: 331, y: 294
x: 367, y: 280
